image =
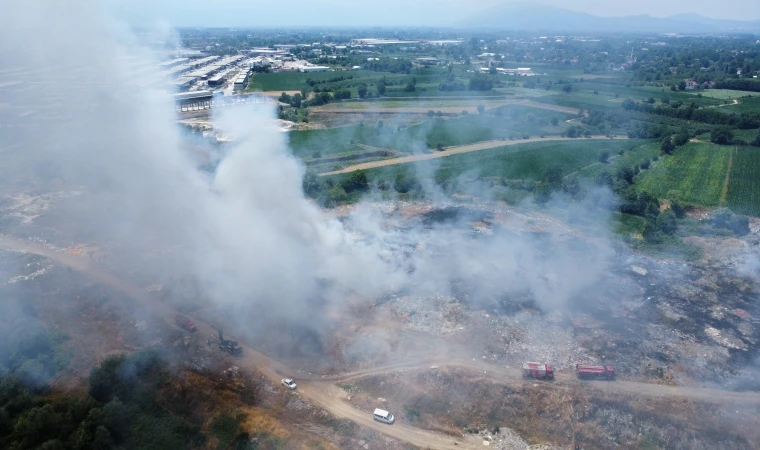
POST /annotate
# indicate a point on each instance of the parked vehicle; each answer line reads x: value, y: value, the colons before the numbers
x: 229, y: 346
x: 538, y: 371
x: 185, y: 323
x: 595, y: 372
x: 384, y: 416
x: 289, y: 383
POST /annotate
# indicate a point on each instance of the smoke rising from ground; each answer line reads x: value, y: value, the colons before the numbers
x: 246, y: 234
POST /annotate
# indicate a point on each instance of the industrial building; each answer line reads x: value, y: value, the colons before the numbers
x: 241, y: 82
x: 220, y: 78
x: 173, y: 62
x: 310, y: 68
x: 375, y: 41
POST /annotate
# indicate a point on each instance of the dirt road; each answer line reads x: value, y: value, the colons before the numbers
x: 322, y: 391
x: 322, y: 394
x: 370, y: 108
x: 484, y: 145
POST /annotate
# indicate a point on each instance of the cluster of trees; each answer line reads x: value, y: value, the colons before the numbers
x: 669, y: 143
x: 451, y: 84
x: 745, y: 120
x: 330, y: 193
x: 739, y: 84
x: 313, y: 83
x: 294, y: 100
x: 120, y: 409
x: 480, y: 82
x: 385, y: 64
x: 646, y: 130
x: 641, y: 203
x: 576, y: 131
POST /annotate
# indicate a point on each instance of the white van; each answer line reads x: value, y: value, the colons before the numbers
x: 384, y: 416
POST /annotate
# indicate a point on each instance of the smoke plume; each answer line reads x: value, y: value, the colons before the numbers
x: 102, y: 125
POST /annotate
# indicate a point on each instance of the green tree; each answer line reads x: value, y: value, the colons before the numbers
x: 721, y: 135
x: 604, y: 179
x: 667, y: 147
x: 554, y: 121
x: 362, y: 90
x: 682, y: 85
x: 681, y: 138
x: 626, y: 174
x: 296, y: 101
x: 357, y: 181
x: 480, y: 82
x: 381, y: 86
x: 604, y: 157
x: 567, y: 88
x: 311, y: 185
x: 572, y: 187
x: 666, y: 222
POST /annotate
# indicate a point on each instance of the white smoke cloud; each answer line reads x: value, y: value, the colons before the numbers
x: 247, y: 235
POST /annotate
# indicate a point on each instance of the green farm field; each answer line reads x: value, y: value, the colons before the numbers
x: 696, y: 170
x: 724, y: 94
x: 505, y: 122
x: 744, y: 185
x: 746, y: 104
x: 529, y: 161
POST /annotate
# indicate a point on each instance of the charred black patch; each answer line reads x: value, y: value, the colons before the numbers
x: 454, y: 214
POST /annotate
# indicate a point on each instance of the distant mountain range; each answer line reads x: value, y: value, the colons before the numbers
x: 532, y: 17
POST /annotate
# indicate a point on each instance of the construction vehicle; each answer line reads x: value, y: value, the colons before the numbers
x: 538, y: 371
x: 185, y: 323
x: 230, y: 347
x: 595, y: 372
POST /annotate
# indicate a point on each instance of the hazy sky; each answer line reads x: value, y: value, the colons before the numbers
x: 396, y: 12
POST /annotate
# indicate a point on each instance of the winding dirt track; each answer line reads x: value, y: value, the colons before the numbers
x: 484, y: 145
x: 323, y: 392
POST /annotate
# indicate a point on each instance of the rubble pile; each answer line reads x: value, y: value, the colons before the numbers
x: 436, y: 314
x: 505, y: 439
x: 531, y: 337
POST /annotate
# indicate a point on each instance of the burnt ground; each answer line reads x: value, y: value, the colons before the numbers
x: 456, y: 401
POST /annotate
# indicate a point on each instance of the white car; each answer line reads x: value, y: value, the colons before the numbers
x: 289, y: 383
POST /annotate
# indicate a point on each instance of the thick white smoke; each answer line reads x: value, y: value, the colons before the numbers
x: 248, y: 235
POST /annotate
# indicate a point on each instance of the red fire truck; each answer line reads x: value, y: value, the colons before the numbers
x: 185, y: 323
x: 595, y: 372
x: 538, y: 371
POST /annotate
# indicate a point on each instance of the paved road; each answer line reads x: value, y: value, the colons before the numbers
x: 484, y: 145
x: 322, y: 391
